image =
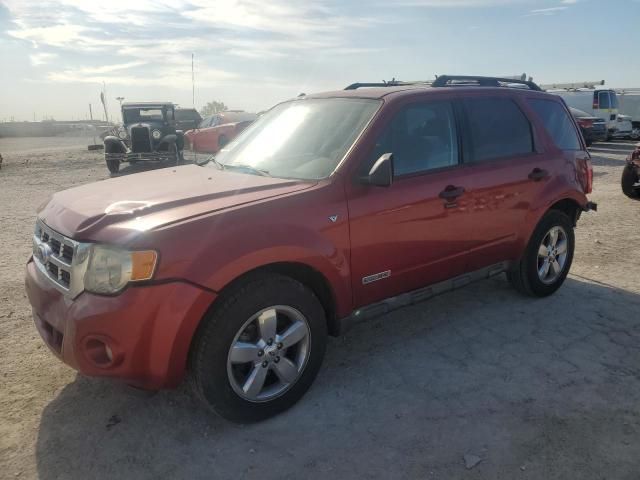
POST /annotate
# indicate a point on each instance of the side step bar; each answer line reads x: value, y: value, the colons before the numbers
x: 419, y: 295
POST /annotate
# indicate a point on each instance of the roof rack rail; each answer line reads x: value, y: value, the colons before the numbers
x: 572, y: 85
x: 465, y: 80
x: 386, y: 83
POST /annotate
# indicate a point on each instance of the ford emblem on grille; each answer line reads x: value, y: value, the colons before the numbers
x: 43, y: 252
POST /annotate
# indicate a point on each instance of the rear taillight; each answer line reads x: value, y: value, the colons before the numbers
x: 585, y: 173
x: 585, y: 123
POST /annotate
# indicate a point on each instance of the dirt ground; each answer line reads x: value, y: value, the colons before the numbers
x: 536, y: 389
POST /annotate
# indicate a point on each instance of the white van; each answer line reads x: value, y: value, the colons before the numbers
x: 630, y: 105
x: 601, y: 103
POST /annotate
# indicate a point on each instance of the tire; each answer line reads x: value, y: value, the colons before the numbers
x: 629, y: 178
x: 211, y: 369
x: 113, y: 166
x: 222, y: 141
x: 635, y: 134
x: 524, y: 276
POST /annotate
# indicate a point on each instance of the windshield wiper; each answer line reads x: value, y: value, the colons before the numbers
x: 233, y: 166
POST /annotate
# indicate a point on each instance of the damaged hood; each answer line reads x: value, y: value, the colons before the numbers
x: 145, y: 201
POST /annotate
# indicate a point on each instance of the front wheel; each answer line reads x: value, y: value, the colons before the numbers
x: 547, y: 259
x: 259, y: 351
x: 113, y: 165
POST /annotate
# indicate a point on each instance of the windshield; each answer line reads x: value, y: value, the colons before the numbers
x: 303, y: 139
x: 134, y: 115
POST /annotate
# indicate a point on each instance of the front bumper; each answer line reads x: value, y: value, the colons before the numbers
x: 150, y: 156
x: 141, y: 336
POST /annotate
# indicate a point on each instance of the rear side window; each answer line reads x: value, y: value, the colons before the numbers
x: 557, y: 123
x: 498, y: 129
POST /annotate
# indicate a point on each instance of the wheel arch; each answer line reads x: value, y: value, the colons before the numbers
x: 568, y: 206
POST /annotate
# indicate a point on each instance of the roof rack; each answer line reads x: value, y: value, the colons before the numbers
x: 466, y: 80
x: 386, y: 83
x: 572, y: 85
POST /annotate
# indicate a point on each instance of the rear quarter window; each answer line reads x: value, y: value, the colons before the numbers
x: 498, y: 129
x: 557, y: 123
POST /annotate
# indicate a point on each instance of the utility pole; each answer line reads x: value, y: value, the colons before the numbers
x: 193, y: 84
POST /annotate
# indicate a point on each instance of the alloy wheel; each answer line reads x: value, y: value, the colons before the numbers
x: 552, y: 255
x: 269, y: 353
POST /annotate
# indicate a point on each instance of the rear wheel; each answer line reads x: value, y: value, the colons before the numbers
x: 629, y: 179
x: 547, y: 259
x: 259, y: 351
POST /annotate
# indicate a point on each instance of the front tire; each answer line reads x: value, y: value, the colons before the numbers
x: 113, y: 165
x: 259, y: 350
x: 547, y: 259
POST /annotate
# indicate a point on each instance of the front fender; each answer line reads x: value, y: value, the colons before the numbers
x: 113, y: 144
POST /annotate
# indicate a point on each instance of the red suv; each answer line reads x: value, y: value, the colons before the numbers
x: 330, y: 208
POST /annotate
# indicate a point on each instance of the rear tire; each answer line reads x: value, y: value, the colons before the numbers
x: 525, y: 276
x: 629, y: 178
x: 212, y: 372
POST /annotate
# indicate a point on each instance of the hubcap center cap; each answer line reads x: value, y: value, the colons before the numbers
x: 271, y: 349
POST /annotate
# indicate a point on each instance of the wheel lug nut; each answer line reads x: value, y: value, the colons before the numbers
x: 270, y: 341
x: 279, y: 345
x: 277, y: 359
x: 260, y: 353
x: 264, y: 364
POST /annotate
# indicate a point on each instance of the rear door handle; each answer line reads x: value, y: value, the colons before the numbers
x: 451, y: 192
x: 538, y: 174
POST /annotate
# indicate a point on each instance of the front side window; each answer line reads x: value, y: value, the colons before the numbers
x: 421, y: 137
x: 557, y: 123
x: 303, y: 139
x: 497, y: 129
x: 614, y: 99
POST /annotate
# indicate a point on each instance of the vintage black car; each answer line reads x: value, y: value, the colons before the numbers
x: 148, y: 132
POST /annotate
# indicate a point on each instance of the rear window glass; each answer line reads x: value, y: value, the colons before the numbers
x: 557, y: 123
x: 498, y: 129
x: 614, y: 99
x: 603, y: 100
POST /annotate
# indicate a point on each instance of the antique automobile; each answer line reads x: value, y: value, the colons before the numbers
x: 148, y: 132
x: 215, y: 131
x: 631, y: 175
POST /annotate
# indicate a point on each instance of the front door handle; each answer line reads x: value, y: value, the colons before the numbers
x: 538, y: 174
x: 451, y: 192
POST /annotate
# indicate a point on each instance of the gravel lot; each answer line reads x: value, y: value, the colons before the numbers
x: 535, y: 389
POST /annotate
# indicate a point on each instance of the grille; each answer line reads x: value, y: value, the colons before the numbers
x: 140, y: 140
x: 53, y: 254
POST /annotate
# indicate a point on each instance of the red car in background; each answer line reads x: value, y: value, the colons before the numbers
x: 215, y: 131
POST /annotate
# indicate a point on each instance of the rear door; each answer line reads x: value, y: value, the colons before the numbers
x: 406, y: 236
x: 509, y: 167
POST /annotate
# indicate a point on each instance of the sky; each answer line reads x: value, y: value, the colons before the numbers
x: 56, y: 55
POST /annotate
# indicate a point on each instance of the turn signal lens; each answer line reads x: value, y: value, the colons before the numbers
x: 143, y: 264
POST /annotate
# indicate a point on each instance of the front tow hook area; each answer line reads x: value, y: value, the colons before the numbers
x: 591, y: 206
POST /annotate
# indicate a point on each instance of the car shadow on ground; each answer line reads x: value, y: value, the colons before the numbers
x: 537, y: 388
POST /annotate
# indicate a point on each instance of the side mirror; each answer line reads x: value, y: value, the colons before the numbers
x: 381, y: 173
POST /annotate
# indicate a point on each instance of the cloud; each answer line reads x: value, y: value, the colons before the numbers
x: 457, y: 3
x: 545, y: 11
x: 41, y: 58
x: 164, y: 33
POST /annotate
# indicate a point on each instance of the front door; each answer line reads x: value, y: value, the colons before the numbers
x: 413, y: 233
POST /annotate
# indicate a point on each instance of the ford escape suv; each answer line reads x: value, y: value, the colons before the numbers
x: 329, y: 209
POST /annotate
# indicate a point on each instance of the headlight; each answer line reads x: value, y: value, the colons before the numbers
x: 122, y: 134
x: 110, y: 269
x: 156, y: 134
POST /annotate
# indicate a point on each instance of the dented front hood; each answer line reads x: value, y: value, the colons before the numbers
x: 154, y: 199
